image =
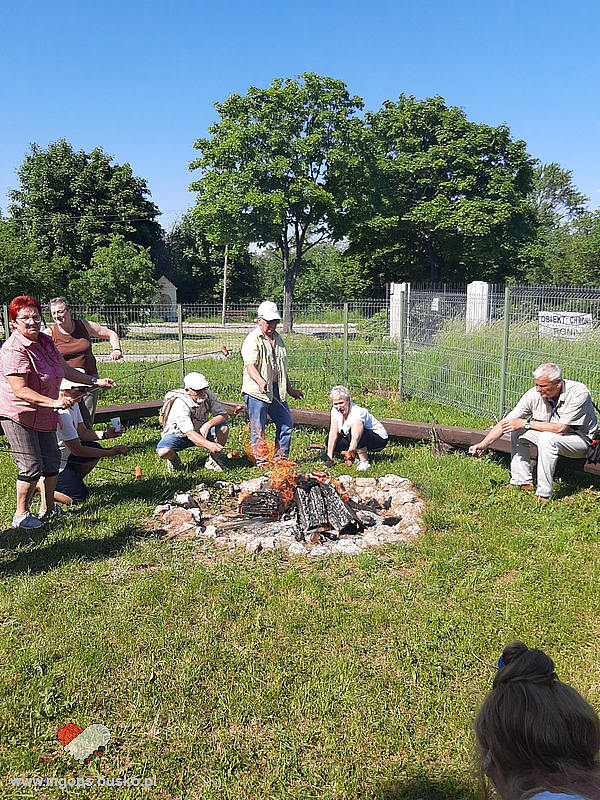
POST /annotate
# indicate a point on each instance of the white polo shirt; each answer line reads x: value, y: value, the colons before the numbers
x: 370, y: 422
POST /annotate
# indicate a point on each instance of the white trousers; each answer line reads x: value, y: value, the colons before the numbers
x: 550, y: 446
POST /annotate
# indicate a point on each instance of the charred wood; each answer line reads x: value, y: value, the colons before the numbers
x: 341, y: 516
x: 318, y: 512
x: 304, y: 508
x: 260, y: 504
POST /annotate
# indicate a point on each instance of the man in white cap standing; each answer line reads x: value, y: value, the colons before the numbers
x: 192, y: 417
x: 265, y: 385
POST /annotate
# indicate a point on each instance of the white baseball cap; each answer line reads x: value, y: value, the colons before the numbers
x: 267, y: 310
x: 195, y: 381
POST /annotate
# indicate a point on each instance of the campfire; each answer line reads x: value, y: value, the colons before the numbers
x: 314, y: 501
x: 302, y: 514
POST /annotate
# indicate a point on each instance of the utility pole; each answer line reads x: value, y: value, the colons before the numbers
x: 224, y: 305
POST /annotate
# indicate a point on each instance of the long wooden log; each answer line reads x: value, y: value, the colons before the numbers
x: 403, y: 429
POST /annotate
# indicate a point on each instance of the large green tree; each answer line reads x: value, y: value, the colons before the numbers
x: 328, y: 275
x: 559, y: 208
x: 70, y: 202
x: 554, y: 195
x: 120, y: 272
x: 196, y: 265
x: 265, y: 168
x: 23, y: 270
x: 572, y: 252
x: 429, y: 195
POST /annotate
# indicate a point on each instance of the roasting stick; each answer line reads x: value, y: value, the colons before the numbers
x: 137, y: 472
x: 132, y: 375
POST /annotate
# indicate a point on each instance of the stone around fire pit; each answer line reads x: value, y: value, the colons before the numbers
x: 389, y: 509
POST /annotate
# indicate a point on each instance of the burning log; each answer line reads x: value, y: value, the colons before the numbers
x: 311, y: 509
x: 319, y: 505
x: 341, y: 516
x: 260, y: 504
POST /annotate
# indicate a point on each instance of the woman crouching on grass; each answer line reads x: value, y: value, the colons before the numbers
x: 539, y: 738
x: 31, y: 369
x: 353, y: 431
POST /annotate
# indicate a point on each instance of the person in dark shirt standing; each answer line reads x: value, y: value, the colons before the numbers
x: 72, y: 339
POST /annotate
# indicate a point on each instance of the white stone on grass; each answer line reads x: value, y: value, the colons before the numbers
x: 268, y: 542
x: 297, y: 549
x: 347, y: 546
x: 185, y: 500
x: 255, y: 484
x: 320, y: 550
x: 389, y: 480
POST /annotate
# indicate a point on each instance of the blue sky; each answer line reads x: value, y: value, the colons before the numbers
x: 140, y: 79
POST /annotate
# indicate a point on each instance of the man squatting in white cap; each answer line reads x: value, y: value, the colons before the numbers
x: 195, y: 419
x: 265, y: 384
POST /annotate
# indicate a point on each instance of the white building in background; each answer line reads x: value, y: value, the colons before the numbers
x: 167, y: 299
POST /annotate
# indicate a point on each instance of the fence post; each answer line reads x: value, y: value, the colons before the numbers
x: 402, y: 334
x: 504, y: 360
x: 181, y: 350
x: 5, y: 321
x: 345, y: 344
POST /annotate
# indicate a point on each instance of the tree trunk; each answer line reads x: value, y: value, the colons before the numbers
x: 289, y: 284
x: 435, y: 264
x: 290, y: 274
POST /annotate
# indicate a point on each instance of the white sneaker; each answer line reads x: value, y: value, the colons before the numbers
x: 57, y: 513
x: 363, y: 466
x: 26, y: 520
x: 174, y: 464
x: 212, y: 463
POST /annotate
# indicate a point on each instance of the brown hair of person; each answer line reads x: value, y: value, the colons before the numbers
x: 538, y: 730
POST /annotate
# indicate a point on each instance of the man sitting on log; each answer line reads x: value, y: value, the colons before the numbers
x: 192, y: 417
x: 557, y: 416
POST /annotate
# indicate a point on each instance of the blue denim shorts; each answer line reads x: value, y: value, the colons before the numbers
x: 178, y: 442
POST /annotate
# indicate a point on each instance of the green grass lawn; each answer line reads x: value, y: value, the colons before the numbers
x: 252, y: 677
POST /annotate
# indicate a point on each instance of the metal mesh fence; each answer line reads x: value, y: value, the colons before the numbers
x: 465, y: 362
x: 438, y: 348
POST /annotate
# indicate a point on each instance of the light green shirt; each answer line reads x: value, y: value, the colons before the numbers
x: 257, y: 350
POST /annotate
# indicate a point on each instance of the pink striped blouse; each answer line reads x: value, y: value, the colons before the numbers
x: 41, y: 363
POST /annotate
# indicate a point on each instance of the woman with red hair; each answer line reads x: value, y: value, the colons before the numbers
x: 31, y: 369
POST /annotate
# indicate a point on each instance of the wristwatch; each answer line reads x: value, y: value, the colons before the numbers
x: 94, y: 380
x: 527, y: 425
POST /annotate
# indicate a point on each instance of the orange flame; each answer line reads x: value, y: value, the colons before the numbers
x: 262, y: 451
x: 284, y: 478
x: 339, y: 489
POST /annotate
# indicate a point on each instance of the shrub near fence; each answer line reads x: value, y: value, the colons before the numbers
x: 436, y: 359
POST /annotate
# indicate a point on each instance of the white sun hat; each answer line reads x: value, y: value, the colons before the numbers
x: 195, y: 381
x: 268, y: 311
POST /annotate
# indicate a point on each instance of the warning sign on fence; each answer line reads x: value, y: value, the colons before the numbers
x: 564, y: 324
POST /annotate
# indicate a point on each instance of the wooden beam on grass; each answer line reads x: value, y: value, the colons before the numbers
x: 400, y: 428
